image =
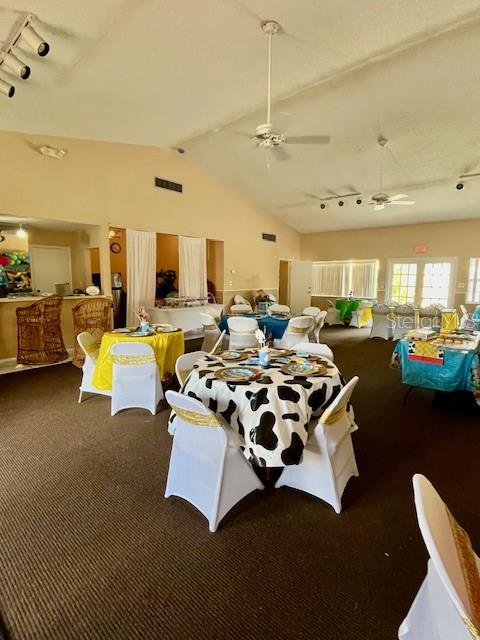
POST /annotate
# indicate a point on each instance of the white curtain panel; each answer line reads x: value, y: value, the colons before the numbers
x: 193, y: 267
x: 141, y: 272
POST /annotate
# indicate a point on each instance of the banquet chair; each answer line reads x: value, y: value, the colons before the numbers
x: 184, y: 364
x: 242, y: 332
x: 404, y: 320
x: 207, y: 467
x: 446, y: 605
x: 297, y: 331
x: 238, y: 299
x: 238, y: 309
x: 466, y: 321
x: 333, y: 314
x: 328, y: 460
x: 382, y: 322
x: 314, y: 312
x: 278, y: 308
x: 315, y: 349
x: 211, y: 332
x: 89, y: 347
x: 358, y: 319
x: 429, y: 317
x: 135, y: 379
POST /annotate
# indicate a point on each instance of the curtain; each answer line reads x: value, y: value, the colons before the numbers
x: 339, y: 278
x: 141, y: 272
x: 193, y: 267
x: 363, y: 279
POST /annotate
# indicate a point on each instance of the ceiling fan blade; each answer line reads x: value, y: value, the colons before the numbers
x: 307, y: 139
x: 280, y: 154
x: 379, y: 207
x: 397, y: 196
x: 407, y: 202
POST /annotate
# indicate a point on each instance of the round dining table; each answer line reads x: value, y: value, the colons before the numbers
x: 272, y: 326
x: 272, y: 414
x: 167, y: 347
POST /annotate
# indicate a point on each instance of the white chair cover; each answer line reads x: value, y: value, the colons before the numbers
x: 135, y: 379
x: 466, y: 321
x: 382, y: 326
x: 185, y: 362
x: 328, y: 459
x: 333, y: 314
x: 90, y: 348
x: 316, y: 349
x: 207, y: 467
x: 241, y: 308
x: 211, y: 332
x: 404, y: 320
x: 314, y: 312
x: 278, y: 308
x: 445, y: 608
x: 297, y: 331
x: 357, y: 315
x: 240, y: 300
x: 242, y: 332
x: 429, y: 317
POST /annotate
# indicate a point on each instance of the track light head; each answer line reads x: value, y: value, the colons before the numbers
x: 16, y: 66
x: 358, y: 201
x: 7, y: 89
x: 340, y: 203
x: 323, y: 205
x: 34, y: 41
x: 460, y: 186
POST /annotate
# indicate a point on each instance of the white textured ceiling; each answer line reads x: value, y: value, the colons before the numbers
x: 159, y: 72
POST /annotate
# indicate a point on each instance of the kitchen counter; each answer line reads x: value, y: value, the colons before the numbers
x: 34, y: 298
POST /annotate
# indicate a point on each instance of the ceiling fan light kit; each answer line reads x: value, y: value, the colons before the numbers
x: 380, y: 199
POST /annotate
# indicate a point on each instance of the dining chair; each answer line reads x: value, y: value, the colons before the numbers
x: 328, y: 460
x: 39, y: 332
x: 404, y: 319
x: 207, y: 467
x: 333, y: 314
x: 283, y: 309
x: 359, y: 318
x: 210, y: 331
x: 238, y: 309
x: 135, y: 379
x: 94, y: 316
x: 382, y: 322
x: 297, y: 331
x: 447, y: 605
x: 315, y: 313
x: 315, y: 349
x: 89, y: 346
x: 184, y: 364
x: 242, y: 332
x: 429, y: 317
x: 238, y: 299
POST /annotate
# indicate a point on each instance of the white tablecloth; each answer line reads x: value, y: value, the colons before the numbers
x: 186, y: 318
x: 272, y: 414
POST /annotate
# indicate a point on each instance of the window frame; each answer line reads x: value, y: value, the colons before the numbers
x: 421, y: 262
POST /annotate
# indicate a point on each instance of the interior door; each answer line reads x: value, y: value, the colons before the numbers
x: 48, y: 266
x: 300, y: 285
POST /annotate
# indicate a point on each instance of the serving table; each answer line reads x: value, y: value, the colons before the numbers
x: 187, y: 318
x: 166, y: 346
x: 273, y: 413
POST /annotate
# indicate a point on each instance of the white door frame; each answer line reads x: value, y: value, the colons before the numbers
x: 421, y: 261
x: 48, y: 246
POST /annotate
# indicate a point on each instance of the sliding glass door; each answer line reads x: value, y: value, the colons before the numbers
x: 421, y: 281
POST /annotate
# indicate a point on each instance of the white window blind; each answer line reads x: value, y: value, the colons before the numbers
x: 473, y: 287
x: 342, y: 277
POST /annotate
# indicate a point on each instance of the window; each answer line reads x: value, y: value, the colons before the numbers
x: 342, y: 277
x: 423, y: 281
x: 473, y: 287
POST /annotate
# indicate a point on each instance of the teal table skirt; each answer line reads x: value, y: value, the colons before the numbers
x: 271, y: 327
x: 347, y: 307
x: 460, y: 371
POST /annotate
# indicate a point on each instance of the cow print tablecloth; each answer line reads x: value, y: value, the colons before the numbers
x: 272, y: 414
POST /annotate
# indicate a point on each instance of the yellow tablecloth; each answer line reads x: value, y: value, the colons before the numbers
x: 166, y: 346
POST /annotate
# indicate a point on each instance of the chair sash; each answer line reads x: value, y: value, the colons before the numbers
x: 249, y: 332
x: 210, y: 327
x: 196, y: 418
x: 133, y: 359
x: 333, y: 416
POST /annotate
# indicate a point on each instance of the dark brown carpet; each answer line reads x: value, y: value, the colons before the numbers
x: 90, y: 549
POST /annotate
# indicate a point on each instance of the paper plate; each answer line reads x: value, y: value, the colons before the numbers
x: 232, y: 355
x: 304, y: 369
x: 92, y: 290
x: 237, y: 374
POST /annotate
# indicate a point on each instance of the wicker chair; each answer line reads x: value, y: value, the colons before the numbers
x: 39, y: 332
x: 94, y: 316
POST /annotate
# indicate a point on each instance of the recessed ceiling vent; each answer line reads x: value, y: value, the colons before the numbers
x: 168, y: 184
x: 269, y: 237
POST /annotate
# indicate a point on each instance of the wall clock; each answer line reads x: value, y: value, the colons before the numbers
x: 115, y: 247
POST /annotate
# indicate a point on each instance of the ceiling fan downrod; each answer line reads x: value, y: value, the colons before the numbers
x: 270, y: 27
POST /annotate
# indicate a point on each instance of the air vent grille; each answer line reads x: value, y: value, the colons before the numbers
x: 269, y: 237
x: 168, y: 184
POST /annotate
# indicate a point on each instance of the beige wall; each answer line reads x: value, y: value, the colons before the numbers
x: 459, y: 238
x: 112, y: 184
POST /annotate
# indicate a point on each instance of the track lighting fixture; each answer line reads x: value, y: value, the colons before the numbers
x: 323, y: 205
x: 16, y: 66
x: 340, y: 203
x: 358, y: 201
x: 24, y: 33
x: 7, y: 89
x: 460, y: 186
x: 33, y: 40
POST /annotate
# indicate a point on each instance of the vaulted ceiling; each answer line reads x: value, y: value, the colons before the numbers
x: 192, y: 73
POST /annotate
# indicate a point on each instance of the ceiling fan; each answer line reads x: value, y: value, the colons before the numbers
x: 265, y: 135
x: 380, y: 199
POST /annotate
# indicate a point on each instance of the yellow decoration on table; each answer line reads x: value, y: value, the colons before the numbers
x: 167, y: 347
x: 365, y: 316
x: 450, y: 320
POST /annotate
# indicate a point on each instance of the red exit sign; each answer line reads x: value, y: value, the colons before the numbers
x: 420, y: 248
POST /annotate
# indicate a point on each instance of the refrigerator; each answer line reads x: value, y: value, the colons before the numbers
x: 119, y: 299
